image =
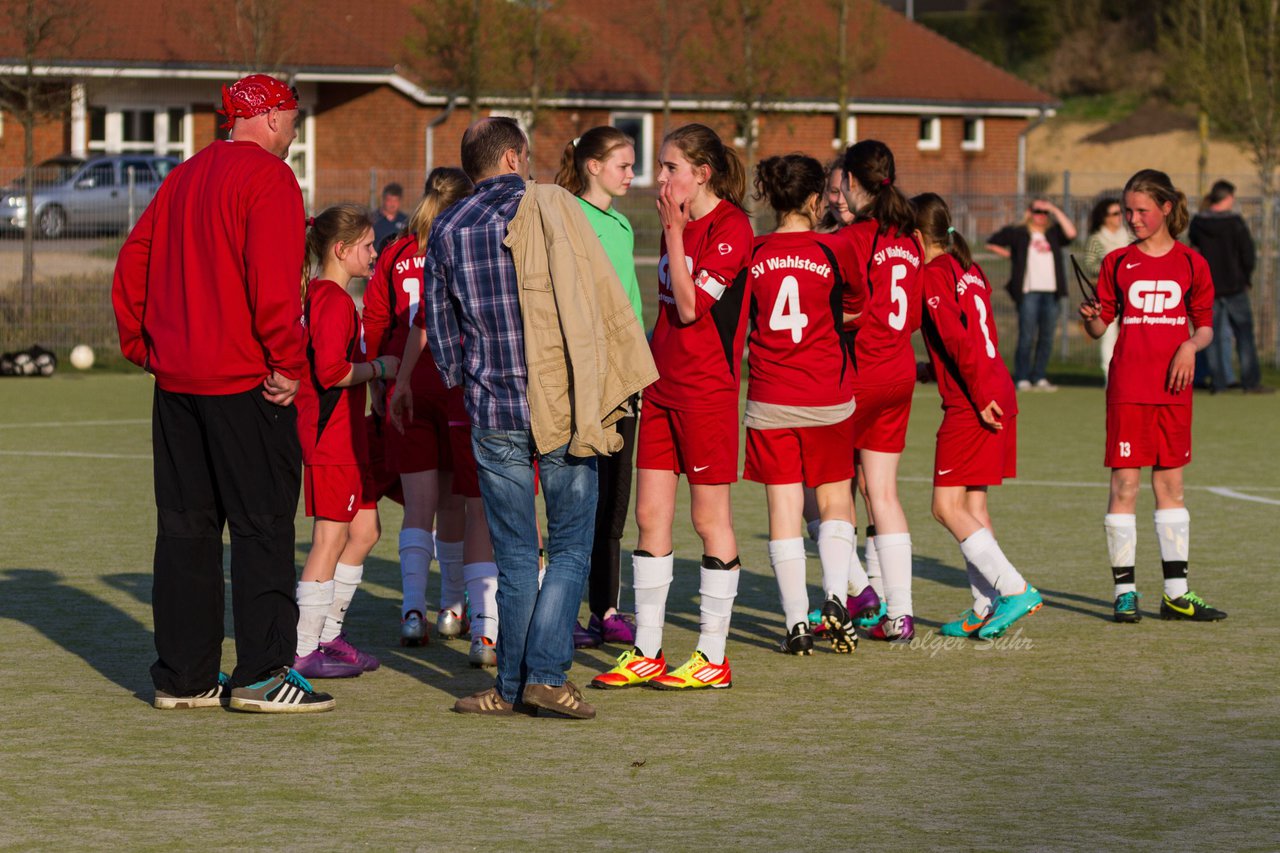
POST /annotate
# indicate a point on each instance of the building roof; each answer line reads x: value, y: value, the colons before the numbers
x: 618, y: 56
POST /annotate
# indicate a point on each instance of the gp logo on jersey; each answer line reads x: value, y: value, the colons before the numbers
x: 1154, y: 297
x: 664, y: 269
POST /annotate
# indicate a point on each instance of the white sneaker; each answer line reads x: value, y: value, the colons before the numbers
x: 1024, y: 385
x: 1046, y: 385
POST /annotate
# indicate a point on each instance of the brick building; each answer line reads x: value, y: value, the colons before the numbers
x: 146, y: 75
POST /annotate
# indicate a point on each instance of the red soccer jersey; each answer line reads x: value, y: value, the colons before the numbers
x: 331, y: 424
x: 698, y: 362
x: 796, y: 355
x: 392, y: 303
x: 206, y: 285
x: 960, y: 332
x: 1158, y: 301
x: 887, y: 267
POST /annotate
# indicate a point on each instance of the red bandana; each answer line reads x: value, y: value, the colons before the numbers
x: 255, y: 95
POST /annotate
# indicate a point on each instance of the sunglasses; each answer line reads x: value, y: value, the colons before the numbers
x: 1087, y: 290
x: 1039, y: 211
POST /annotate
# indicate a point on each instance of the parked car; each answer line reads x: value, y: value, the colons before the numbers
x: 76, y: 196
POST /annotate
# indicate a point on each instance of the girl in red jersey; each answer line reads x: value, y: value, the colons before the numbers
x: 800, y: 399
x: 331, y: 429
x: 887, y: 266
x: 429, y: 443
x: 689, y: 424
x: 1162, y: 295
x: 977, y: 441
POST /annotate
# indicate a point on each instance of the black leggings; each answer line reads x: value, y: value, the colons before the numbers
x: 611, y: 518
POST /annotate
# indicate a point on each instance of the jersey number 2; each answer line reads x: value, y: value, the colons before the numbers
x: 898, y: 319
x: 787, y: 315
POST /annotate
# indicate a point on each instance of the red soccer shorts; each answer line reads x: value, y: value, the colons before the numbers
x: 881, y: 415
x: 701, y: 445
x: 385, y: 483
x: 338, y: 492
x: 466, y: 481
x: 812, y: 455
x: 972, y: 454
x: 1140, y: 435
x: 425, y: 443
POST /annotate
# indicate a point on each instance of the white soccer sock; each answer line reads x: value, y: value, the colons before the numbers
x: 983, y: 592
x: 872, y: 558
x: 983, y: 551
x: 788, y: 559
x: 415, y: 557
x: 717, y: 590
x: 858, y: 578
x: 651, y: 578
x: 1122, y: 545
x: 345, y: 580
x: 812, y: 528
x: 1173, y: 530
x: 482, y: 589
x: 894, y: 551
x: 452, y: 582
x: 836, y: 550
x: 314, y: 600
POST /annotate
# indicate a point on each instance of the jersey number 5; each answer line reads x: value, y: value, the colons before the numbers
x: 787, y: 315
x: 898, y: 319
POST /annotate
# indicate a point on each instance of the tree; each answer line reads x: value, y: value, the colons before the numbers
x: 670, y: 38
x: 45, y: 30
x: 456, y: 47
x: 1239, y: 44
x: 853, y: 61
x: 258, y: 35
x: 754, y: 58
x: 547, y: 49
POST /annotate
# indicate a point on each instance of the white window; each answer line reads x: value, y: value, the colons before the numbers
x: 639, y: 126
x: 973, y: 134
x: 850, y: 131
x: 149, y: 130
x: 930, y: 138
x: 302, y: 154
x: 741, y: 130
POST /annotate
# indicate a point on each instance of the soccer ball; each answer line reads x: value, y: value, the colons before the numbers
x: 82, y: 357
x: 46, y: 363
x: 23, y: 364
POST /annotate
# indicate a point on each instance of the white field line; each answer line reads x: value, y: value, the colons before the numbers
x: 1235, y: 493
x: 1225, y: 492
x: 73, y: 454
x: 55, y: 424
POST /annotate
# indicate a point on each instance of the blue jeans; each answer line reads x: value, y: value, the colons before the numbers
x: 1037, y: 319
x: 1233, y: 312
x: 535, y: 627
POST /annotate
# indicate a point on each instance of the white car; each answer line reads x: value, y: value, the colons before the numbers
x: 75, y: 196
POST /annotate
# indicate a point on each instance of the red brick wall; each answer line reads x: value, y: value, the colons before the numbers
x: 52, y: 137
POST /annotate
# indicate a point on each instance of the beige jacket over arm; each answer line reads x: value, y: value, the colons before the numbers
x: 585, y: 351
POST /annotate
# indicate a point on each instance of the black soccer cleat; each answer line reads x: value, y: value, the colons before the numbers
x: 1191, y: 607
x: 799, y: 640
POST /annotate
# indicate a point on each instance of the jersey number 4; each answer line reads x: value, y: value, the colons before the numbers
x: 787, y: 315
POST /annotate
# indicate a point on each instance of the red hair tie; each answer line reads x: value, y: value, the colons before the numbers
x: 311, y: 221
x: 885, y: 182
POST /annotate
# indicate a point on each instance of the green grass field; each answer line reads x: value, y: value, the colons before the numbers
x: 1077, y: 734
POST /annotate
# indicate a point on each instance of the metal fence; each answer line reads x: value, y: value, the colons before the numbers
x: 71, y: 304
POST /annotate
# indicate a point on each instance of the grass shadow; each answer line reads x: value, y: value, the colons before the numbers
x: 102, y: 635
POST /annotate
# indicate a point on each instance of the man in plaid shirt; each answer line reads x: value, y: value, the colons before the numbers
x: 472, y: 310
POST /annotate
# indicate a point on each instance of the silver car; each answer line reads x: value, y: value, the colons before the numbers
x: 75, y: 196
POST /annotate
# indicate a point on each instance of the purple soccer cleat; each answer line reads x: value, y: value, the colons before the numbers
x: 864, y: 605
x: 900, y: 630
x: 319, y: 665
x: 585, y: 638
x: 617, y: 629
x: 341, y: 649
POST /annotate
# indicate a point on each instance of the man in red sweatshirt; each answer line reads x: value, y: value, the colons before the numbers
x: 207, y: 300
